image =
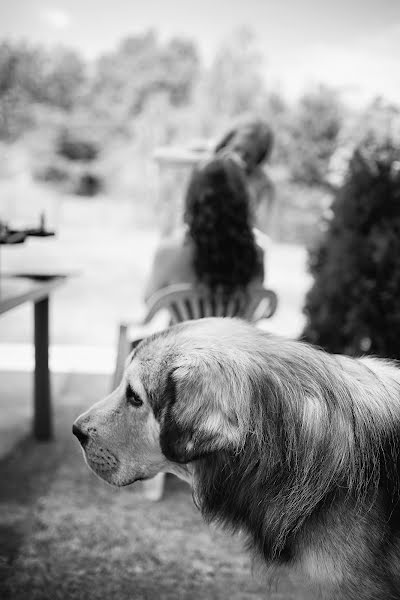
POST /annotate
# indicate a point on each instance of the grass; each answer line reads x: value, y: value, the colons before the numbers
x: 66, y: 535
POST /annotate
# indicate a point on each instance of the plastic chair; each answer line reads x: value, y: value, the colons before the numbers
x: 185, y: 302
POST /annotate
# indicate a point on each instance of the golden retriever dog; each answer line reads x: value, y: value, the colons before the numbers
x: 293, y: 447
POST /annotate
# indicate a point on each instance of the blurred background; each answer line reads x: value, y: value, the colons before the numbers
x: 89, y: 93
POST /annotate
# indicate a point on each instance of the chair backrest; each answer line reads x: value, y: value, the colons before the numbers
x: 185, y: 302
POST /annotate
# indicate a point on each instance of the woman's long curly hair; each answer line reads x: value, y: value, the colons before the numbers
x: 218, y: 216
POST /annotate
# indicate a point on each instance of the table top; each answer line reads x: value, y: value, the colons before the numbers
x: 18, y: 289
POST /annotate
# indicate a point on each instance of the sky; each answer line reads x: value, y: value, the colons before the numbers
x: 351, y: 44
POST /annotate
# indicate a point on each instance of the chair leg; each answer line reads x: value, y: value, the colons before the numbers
x: 153, y: 489
x: 122, y: 353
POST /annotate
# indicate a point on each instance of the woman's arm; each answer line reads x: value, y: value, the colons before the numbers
x: 157, y: 279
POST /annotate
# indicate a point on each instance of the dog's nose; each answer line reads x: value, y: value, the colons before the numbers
x: 82, y: 437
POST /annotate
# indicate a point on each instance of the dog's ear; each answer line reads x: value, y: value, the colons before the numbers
x: 199, y: 414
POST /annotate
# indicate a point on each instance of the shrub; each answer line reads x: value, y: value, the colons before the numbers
x: 88, y: 184
x: 73, y: 146
x: 52, y: 173
x: 353, y: 306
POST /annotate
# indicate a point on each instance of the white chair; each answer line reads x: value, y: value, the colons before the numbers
x: 184, y: 302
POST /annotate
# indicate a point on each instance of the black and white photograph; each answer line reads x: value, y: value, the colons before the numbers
x: 199, y: 300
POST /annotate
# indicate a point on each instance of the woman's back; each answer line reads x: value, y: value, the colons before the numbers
x: 173, y: 263
x: 217, y: 248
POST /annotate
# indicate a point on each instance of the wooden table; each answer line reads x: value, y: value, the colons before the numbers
x: 14, y: 291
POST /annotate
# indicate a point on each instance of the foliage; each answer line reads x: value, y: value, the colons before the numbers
x: 74, y: 145
x: 126, y: 79
x: 315, y: 128
x: 234, y: 84
x: 30, y: 76
x: 88, y: 184
x: 353, y: 305
x: 63, y: 78
x: 55, y: 173
x: 16, y: 116
x: 106, y: 119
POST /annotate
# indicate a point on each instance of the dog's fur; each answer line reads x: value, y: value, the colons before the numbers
x: 294, y: 447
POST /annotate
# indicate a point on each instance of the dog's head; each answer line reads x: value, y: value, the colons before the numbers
x: 184, y: 395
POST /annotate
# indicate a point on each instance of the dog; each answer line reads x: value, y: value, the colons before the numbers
x: 293, y: 447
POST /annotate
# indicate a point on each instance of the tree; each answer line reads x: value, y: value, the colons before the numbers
x: 20, y: 68
x: 180, y: 64
x: 315, y: 128
x: 235, y: 83
x: 353, y: 305
x: 63, y: 78
x: 124, y: 80
x: 31, y: 76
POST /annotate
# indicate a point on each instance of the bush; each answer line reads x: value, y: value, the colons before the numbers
x: 353, y: 306
x: 313, y: 136
x: 52, y: 173
x: 72, y: 146
x: 88, y: 184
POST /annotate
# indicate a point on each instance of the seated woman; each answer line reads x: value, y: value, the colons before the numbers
x: 217, y: 246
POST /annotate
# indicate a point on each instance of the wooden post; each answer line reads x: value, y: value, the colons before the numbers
x: 42, y: 419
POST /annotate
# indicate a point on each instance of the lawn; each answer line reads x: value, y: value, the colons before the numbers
x: 66, y: 535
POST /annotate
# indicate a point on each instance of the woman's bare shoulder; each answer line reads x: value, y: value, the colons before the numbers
x: 172, y: 262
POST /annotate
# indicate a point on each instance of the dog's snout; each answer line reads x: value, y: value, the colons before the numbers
x: 81, y: 435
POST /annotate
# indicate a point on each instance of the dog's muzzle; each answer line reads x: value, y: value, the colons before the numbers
x: 97, y: 456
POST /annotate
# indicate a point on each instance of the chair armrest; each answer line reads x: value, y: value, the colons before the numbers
x: 130, y: 333
x: 129, y: 336
x: 267, y: 306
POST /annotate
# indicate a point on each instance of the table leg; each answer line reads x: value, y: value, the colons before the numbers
x: 42, y: 419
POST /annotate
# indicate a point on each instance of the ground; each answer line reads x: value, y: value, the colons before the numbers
x: 66, y: 535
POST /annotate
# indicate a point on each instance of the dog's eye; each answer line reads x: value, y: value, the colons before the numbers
x: 132, y: 397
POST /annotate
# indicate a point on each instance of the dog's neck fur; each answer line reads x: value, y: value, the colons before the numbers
x: 319, y: 546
